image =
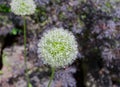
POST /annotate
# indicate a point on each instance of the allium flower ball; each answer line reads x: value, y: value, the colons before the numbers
x: 23, y: 7
x: 57, y: 47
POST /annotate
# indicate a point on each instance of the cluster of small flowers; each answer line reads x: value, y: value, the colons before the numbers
x: 106, y: 5
x: 57, y: 47
x: 110, y: 53
x: 105, y: 29
x: 117, y: 12
x: 23, y: 7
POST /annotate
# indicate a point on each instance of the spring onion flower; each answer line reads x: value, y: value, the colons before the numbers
x: 57, y: 47
x: 23, y: 7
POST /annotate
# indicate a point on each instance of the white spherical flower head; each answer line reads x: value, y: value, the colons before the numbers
x: 57, y: 47
x: 23, y: 7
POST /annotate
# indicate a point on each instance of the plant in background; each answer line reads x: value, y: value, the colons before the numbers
x: 15, y: 31
x: 4, y: 8
x: 57, y: 48
x: 23, y: 7
x: 99, y: 41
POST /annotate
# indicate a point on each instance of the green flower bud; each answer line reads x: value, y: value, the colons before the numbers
x: 57, y: 47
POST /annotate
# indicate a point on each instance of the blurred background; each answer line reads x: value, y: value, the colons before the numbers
x: 96, y: 26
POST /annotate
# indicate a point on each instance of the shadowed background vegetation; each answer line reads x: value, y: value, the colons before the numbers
x: 96, y: 26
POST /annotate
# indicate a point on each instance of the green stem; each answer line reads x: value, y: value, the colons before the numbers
x: 25, y: 54
x: 52, y: 76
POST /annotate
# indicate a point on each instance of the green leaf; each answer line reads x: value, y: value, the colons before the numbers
x: 14, y: 31
x: 29, y: 85
x: 1, y: 72
x: 108, y: 4
x: 4, y: 8
x: 4, y: 59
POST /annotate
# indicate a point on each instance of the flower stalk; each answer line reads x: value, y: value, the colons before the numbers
x: 25, y: 54
x: 52, y: 76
